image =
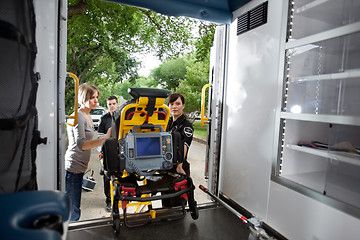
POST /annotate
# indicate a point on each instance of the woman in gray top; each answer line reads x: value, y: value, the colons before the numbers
x: 81, y: 141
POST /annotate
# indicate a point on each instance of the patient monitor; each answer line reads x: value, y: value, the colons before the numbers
x: 146, y: 151
x: 139, y: 144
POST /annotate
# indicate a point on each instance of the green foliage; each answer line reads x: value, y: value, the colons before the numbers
x: 199, y: 131
x: 146, y: 82
x: 186, y: 76
x: 103, y: 38
x: 197, y: 75
x: 121, y: 89
x: 100, y: 43
x: 69, y: 97
x: 197, y: 69
x: 205, y: 40
x: 118, y: 90
x: 170, y: 73
x: 189, y: 81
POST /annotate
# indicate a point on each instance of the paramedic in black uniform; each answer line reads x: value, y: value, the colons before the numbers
x: 105, y: 123
x: 179, y: 123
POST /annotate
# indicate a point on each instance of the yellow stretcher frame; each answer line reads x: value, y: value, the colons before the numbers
x: 140, y: 116
x: 135, y: 118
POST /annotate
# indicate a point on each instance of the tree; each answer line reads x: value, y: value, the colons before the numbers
x: 197, y: 75
x: 103, y: 37
x: 170, y: 73
x: 121, y: 89
x: 185, y: 75
x: 100, y: 42
x: 205, y: 40
x: 101, y: 33
x: 197, y: 68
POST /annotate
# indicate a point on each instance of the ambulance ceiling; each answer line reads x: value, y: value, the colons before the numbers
x: 218, y: 11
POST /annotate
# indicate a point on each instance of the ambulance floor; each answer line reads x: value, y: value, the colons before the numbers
x: 213, y: 223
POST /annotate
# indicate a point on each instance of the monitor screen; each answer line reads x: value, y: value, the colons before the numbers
x: 147, y: 146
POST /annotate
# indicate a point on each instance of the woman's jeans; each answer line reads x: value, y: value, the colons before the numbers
x: 73, y: 191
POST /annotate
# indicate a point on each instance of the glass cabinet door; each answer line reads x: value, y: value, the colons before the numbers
x: 309, y: 17
x: 324, y: 77
x: 319, y: 139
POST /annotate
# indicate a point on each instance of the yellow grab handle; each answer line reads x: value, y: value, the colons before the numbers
x: 75, y: 117
x: 203, y: 118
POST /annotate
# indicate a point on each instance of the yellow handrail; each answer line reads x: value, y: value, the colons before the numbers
x: 203, y: 118
x: 75, y: 116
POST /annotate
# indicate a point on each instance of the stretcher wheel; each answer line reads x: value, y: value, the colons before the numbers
x: 194, y: 210
x: 116, y: 225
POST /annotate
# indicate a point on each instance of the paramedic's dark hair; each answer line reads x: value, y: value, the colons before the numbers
x: 172, y: 98
x: 112, y: 98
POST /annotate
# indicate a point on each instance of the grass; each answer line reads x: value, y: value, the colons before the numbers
x: 200, y: 132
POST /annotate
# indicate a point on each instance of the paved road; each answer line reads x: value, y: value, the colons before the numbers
x: 93, y: 203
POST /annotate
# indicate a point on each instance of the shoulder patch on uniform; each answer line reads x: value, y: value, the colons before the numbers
x: 188, y: 131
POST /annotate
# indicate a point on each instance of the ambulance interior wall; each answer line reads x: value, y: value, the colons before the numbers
x: 251, y: 91
x: 49, y: 65
x: 252, y: 101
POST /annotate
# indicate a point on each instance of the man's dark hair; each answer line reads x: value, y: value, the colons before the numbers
x: 172, y: 98
x: 112, y: 98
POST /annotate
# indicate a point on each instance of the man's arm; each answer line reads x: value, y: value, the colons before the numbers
x: 101, y: 128
x: 179, y: 168
x: 187, y: 133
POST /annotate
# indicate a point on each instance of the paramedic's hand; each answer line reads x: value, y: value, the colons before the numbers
x: 180, y: 170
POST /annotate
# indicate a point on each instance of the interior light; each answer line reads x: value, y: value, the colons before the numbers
x: 295, y: 109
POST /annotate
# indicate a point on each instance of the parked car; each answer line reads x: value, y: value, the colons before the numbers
x: 195, y: 115
x: 96, y: 115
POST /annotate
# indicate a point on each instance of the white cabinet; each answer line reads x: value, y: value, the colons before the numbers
x: 319, y: 139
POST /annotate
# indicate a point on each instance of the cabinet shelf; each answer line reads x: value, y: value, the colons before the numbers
x: 309, y: 6
x: 331, y: 184
x: 333, y: 33
x: 313, y: 180
x: 348, y: 74
x: 338, y: 156
x: 335, y: 119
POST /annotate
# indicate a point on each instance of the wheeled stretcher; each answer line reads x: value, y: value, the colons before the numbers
x: 140, y: 158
